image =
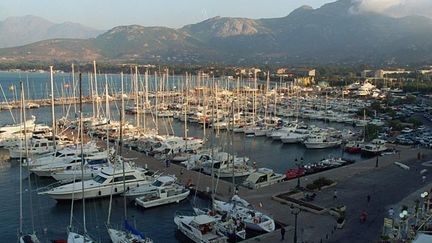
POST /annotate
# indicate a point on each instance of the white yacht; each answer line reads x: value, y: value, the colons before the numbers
x: 38, y: 147
x: 224, y: 165
x: 9, y: 129
x: 263, y: 177
x: 278, y: 133
x: 71, y: 163
x: 108, y: 181
x: 239, y: 208
x: 174, y: 145
x: 163, y: 191
x: 320, y: 141
x: 297, y: 136
x: 63, y: 155
x: 375, y: 147
x: 200, y: 228
x: 75, y: 174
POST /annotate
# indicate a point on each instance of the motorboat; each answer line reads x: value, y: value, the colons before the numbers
x: 294, y: 137
x: 108, y: 181
x: 200, y: 228
x: 353, y: 147
x: 71, y: 163
x: 375, y: 147
x: 63, y: 155
x: 74, y: 174
x: 163, y: 191
x: 38, y: 147
x: 263, y: 177
x: 240, y: 208
x: 294, y: 173
x: 320, y: 141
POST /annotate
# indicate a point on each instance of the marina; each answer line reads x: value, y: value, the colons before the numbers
x: 210, y: 146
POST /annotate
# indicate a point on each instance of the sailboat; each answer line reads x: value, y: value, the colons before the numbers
x: 25, y: 238
x: 74, y: 237
x: 129, y: 233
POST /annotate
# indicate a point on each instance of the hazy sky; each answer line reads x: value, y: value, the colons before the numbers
x: 105, y: 14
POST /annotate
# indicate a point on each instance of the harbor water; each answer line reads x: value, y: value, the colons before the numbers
x: 52, y: 218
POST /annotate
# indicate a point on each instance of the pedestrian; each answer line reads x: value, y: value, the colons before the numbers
x: 368, y: 199
x: 363, y: 216
x: 282, y: 233
x: 181, y: 171
x: 391, y: 212
x: 335, y: 195
x: 423, y: 178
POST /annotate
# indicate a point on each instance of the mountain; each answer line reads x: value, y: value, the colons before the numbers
x: 17, y: 31
x: 331, y: 34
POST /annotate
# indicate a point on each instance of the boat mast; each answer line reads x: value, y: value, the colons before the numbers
x: 156, y: 102
x: 121, y: 150
x: 185, y: 111
x: 96, y: 89
x: 137, y: 97
x: 52, y: 108
x: 27, y: 156
x: 107, y: 109
x: 20, y: 179
x: 82, y: 154
x: 73, y: 87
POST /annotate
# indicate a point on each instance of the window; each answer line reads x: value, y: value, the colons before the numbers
x: 99, y: 179
x: 127, y: 178
x: 157, y: 183
x: 261, y: 179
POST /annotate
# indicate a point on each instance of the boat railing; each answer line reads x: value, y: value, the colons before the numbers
x: 49, y: 187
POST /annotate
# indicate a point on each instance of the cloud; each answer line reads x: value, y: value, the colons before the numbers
x: 394, y: 8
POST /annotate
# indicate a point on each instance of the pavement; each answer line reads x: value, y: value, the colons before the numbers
x: 386, y: 185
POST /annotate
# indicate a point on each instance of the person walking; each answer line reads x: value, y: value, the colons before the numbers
x: 335, y: 195
x: 368, y: 199
x: 282, y: 231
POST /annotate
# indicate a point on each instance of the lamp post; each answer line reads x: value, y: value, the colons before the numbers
x: 299, y: 165
x: 404, y: 216
x: 425, y: 196
x: 295, y: 211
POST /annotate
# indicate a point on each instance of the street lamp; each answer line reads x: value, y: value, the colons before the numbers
x: 425, y: 196
x: 295, y: 211
x: 404, y: 216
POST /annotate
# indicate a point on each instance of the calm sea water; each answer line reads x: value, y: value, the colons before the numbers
x: 51, y: 218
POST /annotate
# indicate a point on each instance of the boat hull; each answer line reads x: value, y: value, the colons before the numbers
x: 162, y: 201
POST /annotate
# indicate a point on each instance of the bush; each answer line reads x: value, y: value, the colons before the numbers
x: 319, y: 183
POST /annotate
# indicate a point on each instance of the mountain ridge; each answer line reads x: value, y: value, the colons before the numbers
x: 331, y: 34
x: 23, y: 30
